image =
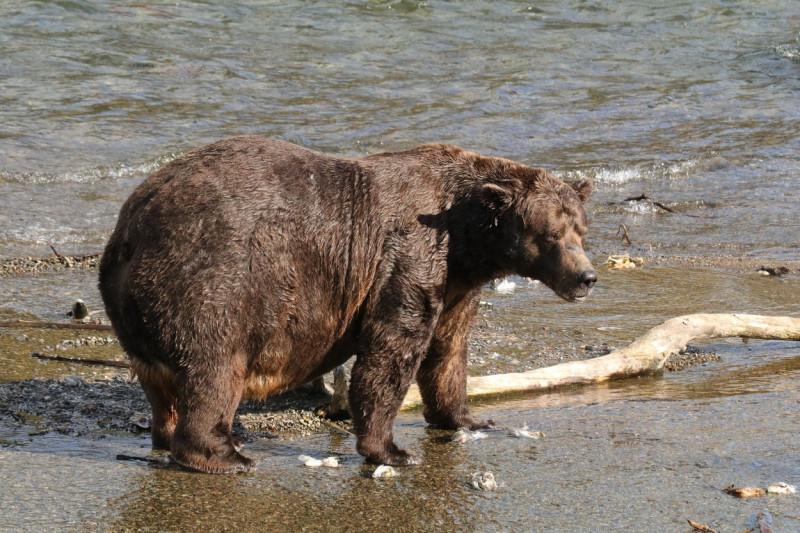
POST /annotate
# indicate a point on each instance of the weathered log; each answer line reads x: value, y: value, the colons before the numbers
x: 645, y: 355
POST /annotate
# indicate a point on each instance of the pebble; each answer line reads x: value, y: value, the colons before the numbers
x: 777, y: 271
x: 781, y: 488
x: 141, y: 420
x: 688, y: 358
x: 523, y: 433
x: 483, y: 481
x: 69, y: 344
x: 73, y: 381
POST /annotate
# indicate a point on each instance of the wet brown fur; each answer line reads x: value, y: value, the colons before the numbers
x: 251, y: 265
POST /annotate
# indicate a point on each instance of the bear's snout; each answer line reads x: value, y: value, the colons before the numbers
x: 578, y: 284
x: 588, y: 278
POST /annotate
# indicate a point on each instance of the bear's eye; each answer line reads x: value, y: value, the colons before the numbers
x: 553, y: 236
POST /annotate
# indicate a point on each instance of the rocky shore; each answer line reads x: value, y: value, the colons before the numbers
x: 92, y: 403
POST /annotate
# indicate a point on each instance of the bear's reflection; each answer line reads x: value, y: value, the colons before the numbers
x: 282, y: 493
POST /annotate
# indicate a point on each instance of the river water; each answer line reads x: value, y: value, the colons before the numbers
x: 694, y: 103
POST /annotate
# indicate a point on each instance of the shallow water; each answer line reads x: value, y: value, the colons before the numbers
x: 644, y: 455
x: 640, y: 454
x: 693, y: 103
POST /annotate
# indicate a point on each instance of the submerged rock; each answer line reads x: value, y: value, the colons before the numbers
x: 79, y: 310
x: 141, y: 420
x: 524, y: 433
x: 483, y: 481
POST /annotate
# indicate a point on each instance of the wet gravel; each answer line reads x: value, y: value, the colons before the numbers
x: 71, y: 405
x: 68, y: 344
x: 79, y: 406
x: 34, y: 265
x: 688, y: 358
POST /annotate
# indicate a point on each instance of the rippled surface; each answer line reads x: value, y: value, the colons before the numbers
x: 694, y: 103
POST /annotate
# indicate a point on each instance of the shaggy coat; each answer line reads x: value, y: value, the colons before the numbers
x: 251, y: 265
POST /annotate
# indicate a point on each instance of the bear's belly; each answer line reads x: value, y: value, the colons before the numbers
x: 274, y: 373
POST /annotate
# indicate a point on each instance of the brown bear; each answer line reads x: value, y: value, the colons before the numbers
x: 251, y: 265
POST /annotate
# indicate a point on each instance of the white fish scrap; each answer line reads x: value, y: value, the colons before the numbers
x: 523, y: 433
x: 465, y: 434
x: 781, y: 488
x: 309, y: 461
x: 483, y: 481
x: 330, y: 462
x: 384, y: 471
x: 505, y: 286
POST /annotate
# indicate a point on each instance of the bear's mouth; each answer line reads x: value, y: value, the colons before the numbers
x: 575, y: 295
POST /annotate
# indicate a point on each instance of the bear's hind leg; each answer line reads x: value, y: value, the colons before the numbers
x: 158, y: 384
x: 203, y: 439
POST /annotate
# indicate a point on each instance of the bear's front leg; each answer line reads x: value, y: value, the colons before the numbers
x: 395, y: 335
x: 442, y: 376
x: 377, y: 388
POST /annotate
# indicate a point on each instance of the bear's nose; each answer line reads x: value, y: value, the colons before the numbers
x: 588, y: 278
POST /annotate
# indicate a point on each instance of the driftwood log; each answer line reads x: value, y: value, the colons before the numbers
x: 645, y: 355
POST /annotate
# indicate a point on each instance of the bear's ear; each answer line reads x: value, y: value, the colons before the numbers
x: 498, y: 196
x: 584, y: 189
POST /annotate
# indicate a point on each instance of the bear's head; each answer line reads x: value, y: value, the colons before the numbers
x: 541, y: 227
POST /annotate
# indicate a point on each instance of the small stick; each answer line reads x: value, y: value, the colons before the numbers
x: 67, y: 260
x: 701, y: 527
x: 655, y: 203
x: 336, y: 428
x: 81, y: 360
x: 661, y: 206
x: 34, y: 324
x: 148, y: 460
x: 624, y: 229
x: 60, y: 257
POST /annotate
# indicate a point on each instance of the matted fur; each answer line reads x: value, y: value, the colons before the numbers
x: 251, y: 265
